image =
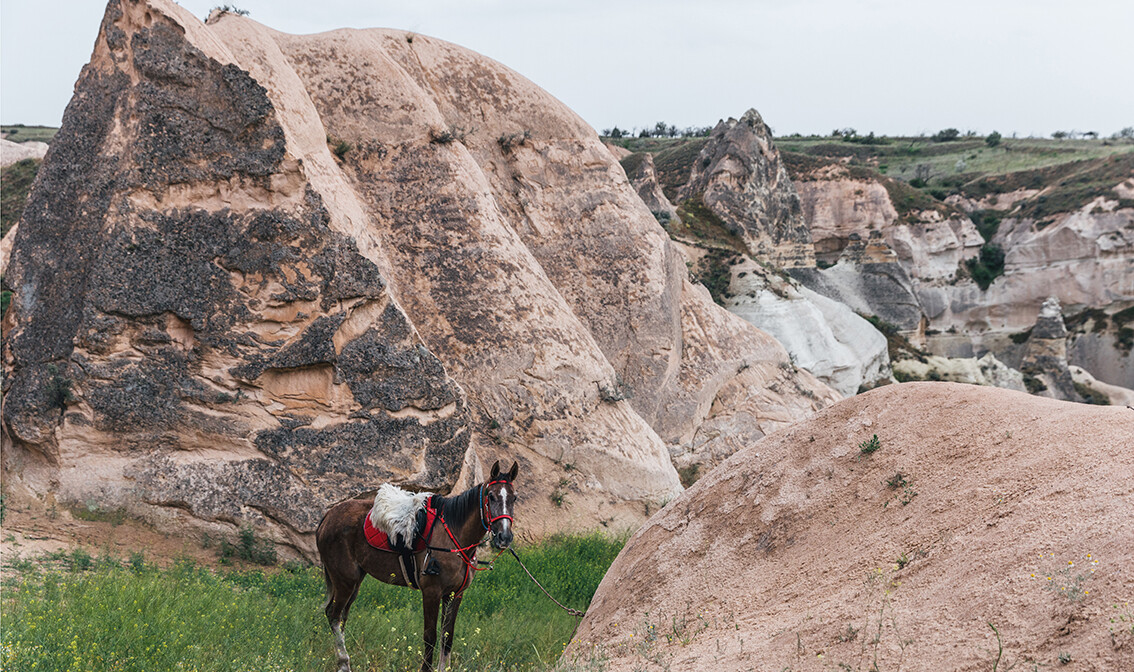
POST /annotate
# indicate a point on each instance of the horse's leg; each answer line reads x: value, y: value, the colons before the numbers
x: 430, y: 603
x: 341, y: 591
x: 451, y: 607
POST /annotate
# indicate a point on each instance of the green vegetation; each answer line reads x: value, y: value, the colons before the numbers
x: 987, y: 222
x: 104, y: 614
x: 870, y: 447
x: 1092, y: 396
x: 22, y: 133
x: 987, y: 266
x: 15, y: 185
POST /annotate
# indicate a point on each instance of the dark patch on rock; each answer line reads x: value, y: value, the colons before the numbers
x: 199, y: 119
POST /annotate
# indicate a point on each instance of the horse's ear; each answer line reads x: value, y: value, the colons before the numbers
x: 515, y: 470
x: 495, y: 471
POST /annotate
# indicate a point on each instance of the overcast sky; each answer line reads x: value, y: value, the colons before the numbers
x: 888, y: 66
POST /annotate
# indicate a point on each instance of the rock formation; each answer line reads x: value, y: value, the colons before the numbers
x: 11, y: 152
x: 1044, y: 358
x: 262, y: 272
x: 822, y: 335
x: 740, y: 178
x: 643, y: 175
x: 979, y: 506
x: 869, y: 279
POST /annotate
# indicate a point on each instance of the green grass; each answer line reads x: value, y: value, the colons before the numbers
x: 15, y: 184
x: 22, y: 133
x: 135, y: 616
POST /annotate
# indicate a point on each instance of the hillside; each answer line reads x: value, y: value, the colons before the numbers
x: 921, y: 526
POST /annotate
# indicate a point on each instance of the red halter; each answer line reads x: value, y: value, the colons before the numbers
x: 484, y: 512
x: 470, y: 562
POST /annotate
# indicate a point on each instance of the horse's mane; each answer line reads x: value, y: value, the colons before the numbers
x: 458, y: 507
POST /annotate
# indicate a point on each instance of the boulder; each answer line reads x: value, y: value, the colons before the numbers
x: 988, y: 527
x: 13, y: 152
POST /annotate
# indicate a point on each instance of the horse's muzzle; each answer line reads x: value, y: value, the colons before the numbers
x: 502, y: 539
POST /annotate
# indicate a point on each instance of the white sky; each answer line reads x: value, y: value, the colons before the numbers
x: 888, y: 66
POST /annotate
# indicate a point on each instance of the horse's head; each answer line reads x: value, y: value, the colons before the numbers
x: 498, y: 501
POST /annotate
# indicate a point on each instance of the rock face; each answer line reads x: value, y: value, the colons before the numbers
x: 740, y: 178
x: 869, y: 279
x: 988, y: 370
x: 803, y: 552
x: 262, y: 272
x: 1045, y: 355
x: 822, y: 335
x: 642, y: 173
x: 11, y: 152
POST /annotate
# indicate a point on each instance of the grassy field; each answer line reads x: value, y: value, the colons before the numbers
x: 22, y: 133
x: 84, y: 613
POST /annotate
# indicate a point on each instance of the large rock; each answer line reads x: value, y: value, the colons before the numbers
x: 643, y: 175
x: 822, y: 335
x: 739, y: 176
x: 869, y: 279
x: 297, y: 266
x: 13, y: 152
x: 981, y: 507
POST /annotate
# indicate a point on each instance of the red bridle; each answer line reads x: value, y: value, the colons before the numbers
x: 470, y: 562
x: 485, y: 513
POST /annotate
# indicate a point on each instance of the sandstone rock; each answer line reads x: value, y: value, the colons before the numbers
x: 796, y: 552
x: 1045, y: 355
x: 332, y: 260
x: 823, y: 336
x: 988, y: 370
x: 1114, y: 394
x: 643, y: 175
x: 12, y: 152
x: 870, y: 280
x: 739, y: 176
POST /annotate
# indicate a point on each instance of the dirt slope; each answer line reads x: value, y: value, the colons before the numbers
x: 796, y: 554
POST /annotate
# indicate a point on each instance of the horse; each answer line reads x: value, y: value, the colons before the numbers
x: 444, y: 568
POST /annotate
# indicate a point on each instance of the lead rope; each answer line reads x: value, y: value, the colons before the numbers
x: 574, y: 612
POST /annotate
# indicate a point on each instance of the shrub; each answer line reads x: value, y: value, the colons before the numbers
x: 946, y: 135
x: 993, y: 139
x: 987, y: 266
x: 451, y: 134
x: 229, y: 9
x: 508, y: 141
x: 58, y: 388
x: 870, y: 447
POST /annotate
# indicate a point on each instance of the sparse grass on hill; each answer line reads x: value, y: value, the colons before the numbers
x: 15, y: 184
x: 96, y: 613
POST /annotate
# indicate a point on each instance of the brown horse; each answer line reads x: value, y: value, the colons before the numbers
x: 461, y: 524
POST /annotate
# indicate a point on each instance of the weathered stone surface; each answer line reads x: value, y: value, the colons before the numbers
x: 469, y: 275
x: 870, y: 280
x: 190, y: 320
x: 643, y: 175
x: 740, y: 177
x: 12, y: 152
x: 1045, y: 354
x: 822, y: 335
x: 988, y: 370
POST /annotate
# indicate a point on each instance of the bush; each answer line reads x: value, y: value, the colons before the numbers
x: 987, y: 266
x: 993, y: 139
x: 946, y: 135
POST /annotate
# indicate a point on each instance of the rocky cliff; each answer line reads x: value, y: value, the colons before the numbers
x: 738, y: 175
x: 262, y: 272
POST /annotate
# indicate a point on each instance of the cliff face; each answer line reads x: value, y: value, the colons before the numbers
x: 739, y: 176
x: 263, y: 272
